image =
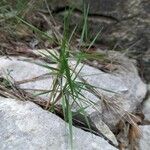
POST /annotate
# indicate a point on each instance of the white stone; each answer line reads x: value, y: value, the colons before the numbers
x: 122, y: 86
x: 144, y: 141
x: 25, y: 126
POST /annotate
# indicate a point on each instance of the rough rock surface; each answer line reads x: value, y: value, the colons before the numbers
x: 146, y: 106
x: 127, y: 89
x: 20, y: 70
x: 26, y: 126
x: 125, y: 24
x: 126, y: 84
x: 144, y: 141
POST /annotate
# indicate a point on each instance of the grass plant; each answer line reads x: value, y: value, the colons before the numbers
x: 66, y: 88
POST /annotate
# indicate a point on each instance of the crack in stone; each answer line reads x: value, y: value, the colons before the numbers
x: 92, y: 15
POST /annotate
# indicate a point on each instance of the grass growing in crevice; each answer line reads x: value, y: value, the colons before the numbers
x: 66, y: 88
x: 66, y: 82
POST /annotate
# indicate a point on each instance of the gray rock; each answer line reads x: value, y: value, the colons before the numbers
x: 146, y: 65
x: 126, y: 90
x: 146, y: 109
x: 144, y: 141
x: 103, y: 129
x: 21, y: 70
x: 125, y: 24
x: 27, y: 126
x: 122, y: 89
x: 118, y: 9
x: 146, y: 106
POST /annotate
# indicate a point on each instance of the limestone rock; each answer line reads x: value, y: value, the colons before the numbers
x: 115, y: 8
x: 27, y: 126
x: 25, y: 72
x: 121, y: 91
x: 125, y: 24
x: 144, y: 141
